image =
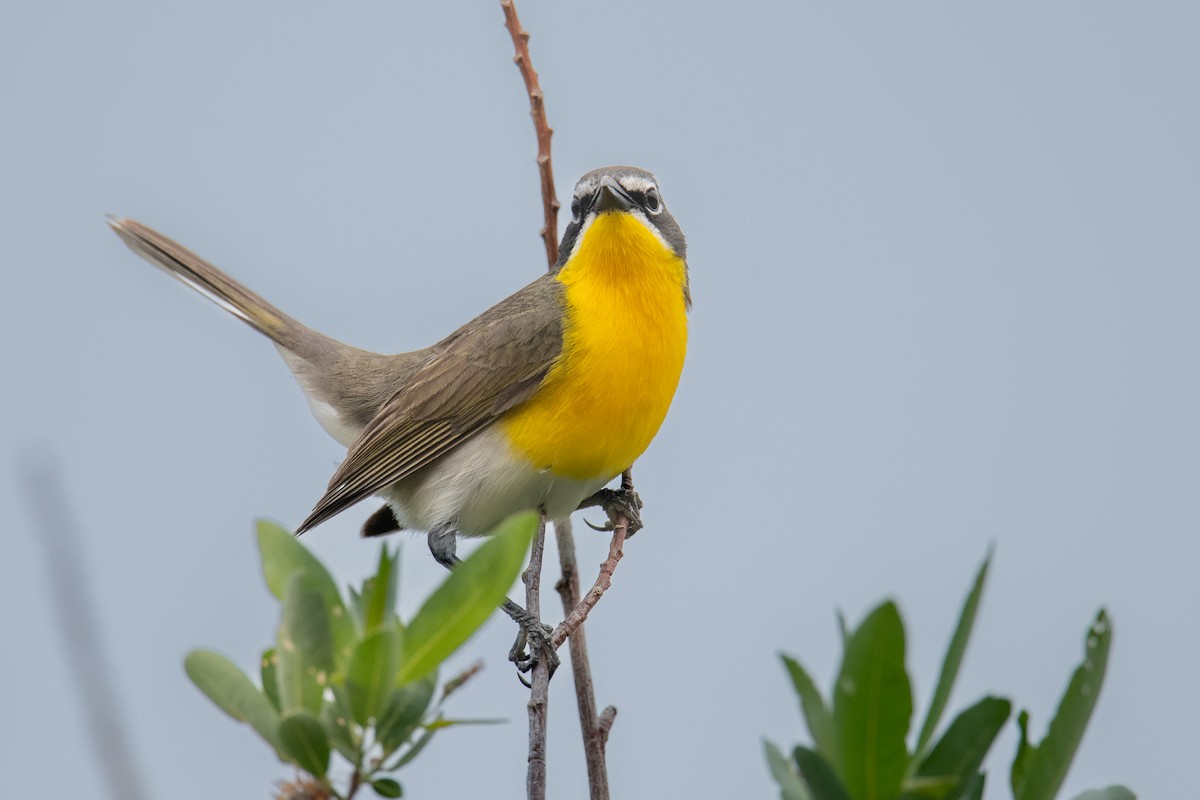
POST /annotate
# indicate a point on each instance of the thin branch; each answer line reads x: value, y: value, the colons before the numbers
x: 57, y: 533
x: 585, y: 694
x: 575, y: 619
x: 539, y: 683
x: 537, y: 109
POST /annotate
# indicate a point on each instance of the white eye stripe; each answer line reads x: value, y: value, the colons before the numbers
x: 630, y: 183
x: 636, y: 183
x: 586, y: 187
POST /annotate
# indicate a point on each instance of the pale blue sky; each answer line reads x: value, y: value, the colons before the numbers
x: 945, y: 265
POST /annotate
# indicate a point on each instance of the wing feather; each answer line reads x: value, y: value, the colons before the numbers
x: 490, y: 365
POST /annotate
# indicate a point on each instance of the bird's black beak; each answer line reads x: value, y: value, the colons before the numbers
x: 611, y: 197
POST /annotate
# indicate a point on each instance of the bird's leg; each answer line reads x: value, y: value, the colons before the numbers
x: 533, y: 633
x: 443, y: 543
x: 614, y: 501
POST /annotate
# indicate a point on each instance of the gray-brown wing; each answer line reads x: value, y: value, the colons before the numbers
x: 483, y: 369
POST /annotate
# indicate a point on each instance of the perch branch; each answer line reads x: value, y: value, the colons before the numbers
x: 595, y: 734
x: 539, y: 683
x: 584, y: 607
x: 537, y: 109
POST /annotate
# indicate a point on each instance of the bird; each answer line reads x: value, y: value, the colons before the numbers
x: 536, y: 404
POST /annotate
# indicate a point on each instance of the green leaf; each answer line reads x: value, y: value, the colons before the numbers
x: 304, y: 740
x: 816, y: 713
x: 233, y: 693
x: 356, y: 605
x: 386, y: 787
x: 954, y: 656
x: 304, y: 646
x: 402, y: 714
x: 268, y: 672
x: 921, y: 787
x: 339, y: 727
x: 282, y: 556
x: 412, y: 752
x: 960, y: 752
x: 441, y: 722
x: 974, y: 789
x: 1048, y: 765
x: 371, y: 674
x: 1024, y: 755
x: 466, y: 598
x: 872, y: 706
x: 791, y: 785
x: 819, y: 775
x: 379, y: 592
x: 1108, y: 793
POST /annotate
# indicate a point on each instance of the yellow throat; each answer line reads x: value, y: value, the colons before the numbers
x: 624, y: 340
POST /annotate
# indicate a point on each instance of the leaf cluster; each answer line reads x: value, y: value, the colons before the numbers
x: 347, y: 675
x: 861, y: 750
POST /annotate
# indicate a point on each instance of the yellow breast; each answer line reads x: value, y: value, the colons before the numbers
x: 624, y: 340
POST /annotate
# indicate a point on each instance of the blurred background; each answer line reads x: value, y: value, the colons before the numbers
x: 944, y: 261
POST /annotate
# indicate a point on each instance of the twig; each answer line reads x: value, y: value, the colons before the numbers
x: 595, y: 728
x: 604, y: 580
x: 537, y: 109
x: 607, y: 717
x: 539, y: 683
x: 58, y: 535
x: 594, y: 735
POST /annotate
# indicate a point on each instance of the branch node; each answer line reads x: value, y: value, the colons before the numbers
x: 607, y: 717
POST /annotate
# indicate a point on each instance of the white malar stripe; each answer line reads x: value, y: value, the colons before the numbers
x: 583, y: 229
x: 637, y: 214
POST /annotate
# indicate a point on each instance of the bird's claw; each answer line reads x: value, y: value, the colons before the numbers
x: 616, y: 502
x: 531, y: 646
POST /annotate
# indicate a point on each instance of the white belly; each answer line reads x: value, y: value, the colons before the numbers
x: 474, y: 487
x: 479, y: 484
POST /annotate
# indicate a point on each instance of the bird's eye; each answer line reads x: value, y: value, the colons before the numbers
x: 576, y: 207
x: 653, y: 203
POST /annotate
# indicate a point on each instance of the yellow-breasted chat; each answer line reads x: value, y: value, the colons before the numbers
x: 537, y: 403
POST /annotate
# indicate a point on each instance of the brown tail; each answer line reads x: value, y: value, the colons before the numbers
x: 344, y: 385
x: 179, y: 262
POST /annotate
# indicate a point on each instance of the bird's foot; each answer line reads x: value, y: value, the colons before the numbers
x: 616, y: 502
x: 532, y: 643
